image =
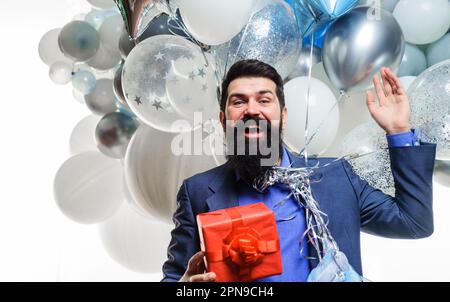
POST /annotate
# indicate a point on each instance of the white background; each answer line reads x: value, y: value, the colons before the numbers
x: 38, y: 243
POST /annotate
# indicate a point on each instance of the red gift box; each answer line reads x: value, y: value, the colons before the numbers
x: 240, y: 243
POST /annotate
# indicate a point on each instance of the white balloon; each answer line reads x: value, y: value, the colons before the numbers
x: 423, y: 21
x: 110, y: 32
x: 102, y: 3
x: 321, y: 100
x: 88, y: 187
x: 439, y: 51
x: 217, y: 22
x: 82, y: 137
x: 49, y: 50
x: 61, y: 72
x: 154, y: 171
x: 407, y: 81
x: 134, y: 241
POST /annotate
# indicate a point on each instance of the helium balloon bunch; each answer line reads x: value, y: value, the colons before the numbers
x: 147, y: 68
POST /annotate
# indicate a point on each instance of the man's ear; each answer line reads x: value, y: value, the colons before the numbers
x: 222, y: 119
x: 284, y: 116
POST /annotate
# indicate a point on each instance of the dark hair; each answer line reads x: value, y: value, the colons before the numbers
x: 251, y: 68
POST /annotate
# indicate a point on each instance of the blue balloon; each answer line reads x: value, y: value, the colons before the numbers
x: 84, y: 81
x: 313, y: 15
x: 319, y: 37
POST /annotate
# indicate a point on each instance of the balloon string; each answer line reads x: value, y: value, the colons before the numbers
x: 342, y: 96
x: 308, y: 93
x: 241, y: 42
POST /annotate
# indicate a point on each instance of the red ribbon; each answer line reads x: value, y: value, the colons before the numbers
x: 243, y: 246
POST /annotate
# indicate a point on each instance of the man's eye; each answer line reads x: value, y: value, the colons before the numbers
x: 238, y: 102
x: 265, y: 101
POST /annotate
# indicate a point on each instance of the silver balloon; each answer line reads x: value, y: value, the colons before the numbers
x: 126, y: 44
x: 272, y: 35
x: 79, y: 40
x: 114, y: 132
x: 102, y: 100
x: 429, y: 96
x: 117, y: 86
x: 413, y: 62
x: 356, y: 46
x: 386, y: 4
x: 304, y: 62
x: 374, y: 167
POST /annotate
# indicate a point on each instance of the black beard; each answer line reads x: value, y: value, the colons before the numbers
x: 249, y: 165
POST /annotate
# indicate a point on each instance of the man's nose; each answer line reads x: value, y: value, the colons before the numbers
x: 252, y: 108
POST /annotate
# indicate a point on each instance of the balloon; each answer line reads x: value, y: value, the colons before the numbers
x: 164, y: 25
x: 102, y: 100
x: 88, y: 187
x: 102, y: 3
x: 136, y: 14
x: 114, y: 132
x: 315, y: 14
x: 271, y: 36
x: 374, y: 168
x: 79, y: 40
x: 423, y: 21
x: 155, y: 171
x: 304, y: 62
x: 97, y: 17
x: 429, y: 96
x: 439, y: 51
x: 105, y: 59
x: 386, y: 4
x: 49, y: 50
x: 442, y: 172
x: 117, y: 86
x: 165, y: 81
x: 214, y: 24
x: 110, y: 32
x: 413, y: 62
x: 407, y: 81
x: 84, y: 81
x: 82, y: 137
x: 134, y: 241
x: 61, y: 72
x: 321, y: 100
x: 357, y: 46
x: 126, y: 44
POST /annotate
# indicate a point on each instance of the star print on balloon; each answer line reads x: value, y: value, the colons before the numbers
x: 157, y: 104
x: 162, y: 72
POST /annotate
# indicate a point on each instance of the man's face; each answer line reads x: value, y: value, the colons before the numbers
x: 253, y: 98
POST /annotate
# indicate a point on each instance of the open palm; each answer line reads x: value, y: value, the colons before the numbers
x: 392, y: 113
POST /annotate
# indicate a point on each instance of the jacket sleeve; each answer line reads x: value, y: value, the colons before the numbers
x: 185, y: 241
x: 409, y: 214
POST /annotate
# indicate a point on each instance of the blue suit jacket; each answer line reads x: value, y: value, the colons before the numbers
x: 350, y: 203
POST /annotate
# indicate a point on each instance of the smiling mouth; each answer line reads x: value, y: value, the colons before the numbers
x: 253, y: 132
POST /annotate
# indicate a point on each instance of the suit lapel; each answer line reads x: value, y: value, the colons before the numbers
x: 223, y: 186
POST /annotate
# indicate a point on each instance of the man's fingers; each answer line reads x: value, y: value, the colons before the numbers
x: 393, y: 78
x: 388, y: 87
x: 208, y: 277
x: 195, y: 261
x: 370, y: 101
x: 379, y: 90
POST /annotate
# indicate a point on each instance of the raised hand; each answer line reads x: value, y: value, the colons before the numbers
x: 392, y: 112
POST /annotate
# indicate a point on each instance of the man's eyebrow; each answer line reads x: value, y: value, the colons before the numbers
x: 241, y: 95
x: 265, y: 91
